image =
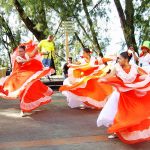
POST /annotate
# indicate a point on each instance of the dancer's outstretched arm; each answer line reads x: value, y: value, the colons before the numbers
x: 141, y: 71
x: 34, y: 52
x: 110, y: 74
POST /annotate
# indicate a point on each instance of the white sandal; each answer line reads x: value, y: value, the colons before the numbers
x: 82, y: 107
x: 112, y: 136
x: 23, y: 114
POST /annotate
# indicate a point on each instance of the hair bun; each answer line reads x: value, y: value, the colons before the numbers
x: 22, y: 46
x: 87, y: 50
x: 127, y: 55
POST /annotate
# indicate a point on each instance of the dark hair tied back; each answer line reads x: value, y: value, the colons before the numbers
x: 22, y: 46
x: 126, y: 55
x: 87, y: 50
x: 70, y: 58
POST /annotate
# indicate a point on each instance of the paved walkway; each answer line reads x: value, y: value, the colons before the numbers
x: 55, y: 127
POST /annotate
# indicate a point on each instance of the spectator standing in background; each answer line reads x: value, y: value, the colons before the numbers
x: 47, y: 49
x: 66, y: 67
x: 134, y: 59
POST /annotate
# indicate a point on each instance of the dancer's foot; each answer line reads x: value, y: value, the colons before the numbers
x: 23, y: 114
x: 82, y: 107
x: 112, y: 136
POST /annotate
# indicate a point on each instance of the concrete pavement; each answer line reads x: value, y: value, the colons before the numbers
x: 55, y: 127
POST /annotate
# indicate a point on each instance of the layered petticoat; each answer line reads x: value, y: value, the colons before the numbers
x: 30, y: 99
x: 127, y: 111
x: 108, y: 113
x: 82, y: 86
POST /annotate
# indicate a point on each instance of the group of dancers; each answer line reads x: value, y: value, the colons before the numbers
x: 117, y: 86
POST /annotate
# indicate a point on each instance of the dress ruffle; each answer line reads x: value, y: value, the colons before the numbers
x: 24, y: 82
x: 86, y: 89
x: 128, y: 112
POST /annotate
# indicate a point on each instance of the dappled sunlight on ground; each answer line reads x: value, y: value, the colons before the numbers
x: 13, y: 113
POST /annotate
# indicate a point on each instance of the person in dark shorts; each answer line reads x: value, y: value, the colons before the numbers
x: 66, y: 67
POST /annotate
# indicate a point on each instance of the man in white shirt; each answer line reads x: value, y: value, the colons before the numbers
x: 144, y: 60
x: 134, y: 58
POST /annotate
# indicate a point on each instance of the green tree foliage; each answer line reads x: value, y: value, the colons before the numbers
x: 44, y: 17
x: 134, y: 18
x: 142, y: 20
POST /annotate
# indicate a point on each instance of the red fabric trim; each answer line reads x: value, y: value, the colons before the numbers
x: 133, y: 141
x: 42, y: 103
x: 3, y: 91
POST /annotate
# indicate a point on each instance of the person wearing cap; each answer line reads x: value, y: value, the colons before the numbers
x: 47, y: 49
x: 144, y: 59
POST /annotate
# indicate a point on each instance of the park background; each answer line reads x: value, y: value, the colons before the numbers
x: 105, y: 26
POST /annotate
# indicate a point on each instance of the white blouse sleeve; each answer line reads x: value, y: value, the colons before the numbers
x: 149, y: 58
x: 22, y: 60
x: 19, y: 59
x: 27, y: 57
x: 82, y: 61
x: 126, y: 77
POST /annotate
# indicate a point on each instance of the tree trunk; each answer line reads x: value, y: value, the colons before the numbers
x: 42, y: 17
x: 29, y: 24
x: 58, y: 28
x: 8, y: 52
x: 127, y: 22
x: 13, y: 44
x: 78, y: 38
x: 89, y: 20
x: 82, y: 27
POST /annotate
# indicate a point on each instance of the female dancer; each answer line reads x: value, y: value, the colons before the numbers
x: 127, y: 111
x: 24, y: 82
x: 82, y: 88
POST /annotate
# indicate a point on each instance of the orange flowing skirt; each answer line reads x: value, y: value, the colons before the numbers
x: 24, y: 83
x: 87, y: 89
x: 132, y: 120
